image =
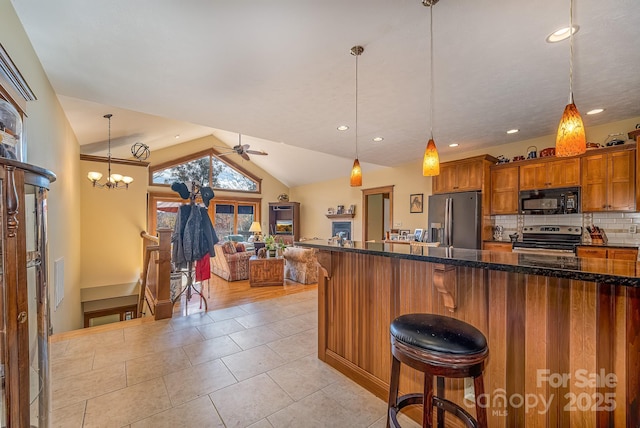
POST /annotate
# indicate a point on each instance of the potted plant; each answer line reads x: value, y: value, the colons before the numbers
x: 270, y: 245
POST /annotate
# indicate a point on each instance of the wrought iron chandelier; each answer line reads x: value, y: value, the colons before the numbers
x: 114, y: 181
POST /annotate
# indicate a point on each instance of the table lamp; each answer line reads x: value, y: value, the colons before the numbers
x: 256, y: 230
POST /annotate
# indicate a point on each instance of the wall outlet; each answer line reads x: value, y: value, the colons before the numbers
x: 633, y: 228
x: 397, y: 224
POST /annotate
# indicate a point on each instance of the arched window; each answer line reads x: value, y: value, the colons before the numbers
x: 206, y: 168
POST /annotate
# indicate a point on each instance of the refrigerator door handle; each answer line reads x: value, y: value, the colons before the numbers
x: 447, y: 223
x: 450, y: 243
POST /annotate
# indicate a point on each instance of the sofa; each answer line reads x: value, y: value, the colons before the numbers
x: 301, y: 265
x: 239, y: 238
x: 229, y: 263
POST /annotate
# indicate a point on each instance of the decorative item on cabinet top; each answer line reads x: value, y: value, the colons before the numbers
x: 341, y: 212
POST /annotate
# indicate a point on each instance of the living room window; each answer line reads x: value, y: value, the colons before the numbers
x: 234, y: 217
x: 207, y: 168
x: 230, y: 216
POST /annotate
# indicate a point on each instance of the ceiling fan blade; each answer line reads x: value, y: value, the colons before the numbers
x: 244, y: 155
x: 257, y: 152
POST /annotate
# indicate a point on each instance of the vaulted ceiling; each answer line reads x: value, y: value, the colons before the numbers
x: 280, y: 73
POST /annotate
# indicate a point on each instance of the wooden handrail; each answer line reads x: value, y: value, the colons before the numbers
x: 155, y: 281
x: 145, y: 235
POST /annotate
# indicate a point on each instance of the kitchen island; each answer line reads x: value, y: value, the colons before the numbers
x: 563, y: 332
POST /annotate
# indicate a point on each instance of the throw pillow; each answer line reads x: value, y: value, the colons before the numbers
x: 240, y: 247
x: 229, y: 247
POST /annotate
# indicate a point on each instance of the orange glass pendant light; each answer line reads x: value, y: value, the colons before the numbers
x: 431, y: 159
x: 571, y: 139
x: 356, y: 174
x: 356, y: 171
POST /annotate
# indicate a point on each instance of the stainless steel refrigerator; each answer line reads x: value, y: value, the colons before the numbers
x: 455, y: 219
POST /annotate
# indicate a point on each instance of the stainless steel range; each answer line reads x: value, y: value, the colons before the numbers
x: 551, y: 240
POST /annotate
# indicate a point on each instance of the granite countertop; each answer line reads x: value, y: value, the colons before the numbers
x: 595, y: 270
x: 586, y: 244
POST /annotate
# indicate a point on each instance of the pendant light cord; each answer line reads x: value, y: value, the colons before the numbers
x: 570, y: 51
x: 357, y: 55
x: 108, y: 116
x: 431, y: 67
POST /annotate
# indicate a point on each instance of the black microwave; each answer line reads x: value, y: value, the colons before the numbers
x: 564, y: 200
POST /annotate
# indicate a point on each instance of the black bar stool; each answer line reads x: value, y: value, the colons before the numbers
x: 437, y: 346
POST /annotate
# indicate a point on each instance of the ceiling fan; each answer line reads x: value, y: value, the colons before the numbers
x: 243, y: 150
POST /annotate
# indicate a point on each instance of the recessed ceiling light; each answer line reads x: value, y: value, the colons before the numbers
x: 453, y: 145
x: 595, y: 111
x: 561, y: 34
x: 377, y: 139
x: 343, y: 128
x: 513, y: 131
x: 177, y: 136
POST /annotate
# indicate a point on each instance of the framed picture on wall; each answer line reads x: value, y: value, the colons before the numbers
x: 415, y: 201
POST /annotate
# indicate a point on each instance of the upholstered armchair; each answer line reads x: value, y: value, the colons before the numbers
x: 230, y: 264
x: 300, y: 265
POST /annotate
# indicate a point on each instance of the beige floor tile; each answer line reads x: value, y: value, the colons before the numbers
x: 365, y: 407
x: 193, y: 320
x: 296, y: 346
x: 178, y: 338
x: 227, y: 313
x: 87, y: 385
x: 261, y: 306
x: 194, y: 382
x: 253, y: 337
x: 68, y: 417
x: 261, y: 318
x: 106, y: 356
x: 262, y: 423
x: 156, y: 365
x: 252, y: 362
x: 71, y: 365
x: 147, y: 331
x: 127, y: 405
x: 220, y: 328
x: 211, y: 349
x: 95, y: 342
x: 249, y: 401
x: 305, y: 376
x: 198, y: 413
x: 314, y: 411
x: 404, y: 421
x: 58, y: 349
x: 293, y: 325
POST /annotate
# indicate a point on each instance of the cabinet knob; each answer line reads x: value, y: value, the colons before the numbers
x: 22, y: 317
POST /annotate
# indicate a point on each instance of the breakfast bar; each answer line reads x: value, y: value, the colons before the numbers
x: 563, y: 332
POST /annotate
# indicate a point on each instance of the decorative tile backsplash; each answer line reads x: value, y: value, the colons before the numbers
x: 616, y: 225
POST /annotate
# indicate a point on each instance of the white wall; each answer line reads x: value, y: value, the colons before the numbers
x: 51, y: 144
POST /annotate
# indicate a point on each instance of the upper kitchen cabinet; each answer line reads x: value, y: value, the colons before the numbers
x: 462, y: 175
x: 546, y: 174
x: 504, y: 189
x: 608, y: 180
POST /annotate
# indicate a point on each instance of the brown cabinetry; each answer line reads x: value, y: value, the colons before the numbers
x: 543, y: 174
x: 459, y: 176
x: 608, y: 181
x: 497, y: 246
x: 284, y: 221
x: 630, y: 255
x: 504, y: 190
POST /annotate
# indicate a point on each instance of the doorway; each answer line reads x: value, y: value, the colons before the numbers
x: 377, y: 213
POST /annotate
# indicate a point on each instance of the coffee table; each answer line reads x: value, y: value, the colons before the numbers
x: 264, y: 272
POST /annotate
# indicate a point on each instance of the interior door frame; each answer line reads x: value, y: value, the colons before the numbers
x: 365, y: 214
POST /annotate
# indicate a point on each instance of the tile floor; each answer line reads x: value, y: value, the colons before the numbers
x: 253, y: 365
